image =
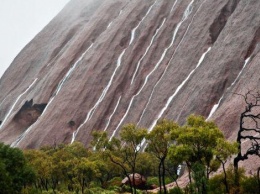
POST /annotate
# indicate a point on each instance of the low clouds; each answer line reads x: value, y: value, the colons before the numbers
x: 20, y: 22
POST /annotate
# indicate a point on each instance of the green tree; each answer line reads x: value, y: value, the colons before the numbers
x: 41, y: 164
x: 223, y: 151
x: 216, y: 184
x: 15, y: 173
x: 56, y: 166
x: 64, y: 161
x: 146, y: 164
x: 195, y: 145
x: 131, y: 138
x: 105, y: 167
x: 122, y: 151
x: 158, y: 142
x: 85, y: 171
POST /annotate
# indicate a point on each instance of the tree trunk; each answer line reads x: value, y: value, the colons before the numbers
x: 83, y: 184
x: 176, y: 183
x: 239, y: 155
x: 159, y: 177
x: 54, y: 184
x: 44, y: 184
x: 163, y: 175
x: 189, y: 171
x: 130, y: 183
x: 225, y: 177
x: 134, y: 183
x: 225, y: 174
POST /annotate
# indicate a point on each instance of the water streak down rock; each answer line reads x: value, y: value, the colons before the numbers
x: 100, y: 64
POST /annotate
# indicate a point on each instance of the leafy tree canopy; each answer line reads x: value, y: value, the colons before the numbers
x: 14, y: 171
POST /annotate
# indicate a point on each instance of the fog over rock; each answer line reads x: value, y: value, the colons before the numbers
x: 20, y: 22
x: 101, y: 64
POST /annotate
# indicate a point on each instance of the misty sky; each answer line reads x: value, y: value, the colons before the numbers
x: 20, y: 21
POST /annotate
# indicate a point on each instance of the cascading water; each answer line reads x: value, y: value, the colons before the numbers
x: 133, y: 30
x: 104, y: 92
x: 17, y: 99
x: 71, y: 70
x: 187, y: 12
x: 59, y: 87
x: 177, y: 90
x: 146, y: 51
x: 102, y: 96
x: 215, y: 107
x: 108, y: 122
x: 173, y: 5
x: 185, y: 16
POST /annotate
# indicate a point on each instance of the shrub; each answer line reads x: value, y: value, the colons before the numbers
x: 216, y: 183
x: 114, y: 182
x: 15, y: 173
x: 152, y: 181
x: 250, y: 185
x: 175, y: 190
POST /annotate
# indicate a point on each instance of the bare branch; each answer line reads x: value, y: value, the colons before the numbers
x: 240, y: 95
x: 250, y: 129
x: 252, y: 100
x: 250, y: 137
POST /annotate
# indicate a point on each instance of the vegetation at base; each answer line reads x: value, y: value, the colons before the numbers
x: 15, y: 173
x: 199, y: 146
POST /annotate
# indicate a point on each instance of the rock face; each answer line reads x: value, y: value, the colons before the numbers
x: 100, y: 64
x: 29, y: 113
x: 138, y: 180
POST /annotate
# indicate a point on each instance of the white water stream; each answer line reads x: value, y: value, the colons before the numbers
x: 173, y: 5
x: 102, y: 96
x: 109, y: 25
x: 67, y: 75
x: 59, y: 87
x: 245, y: 64
x: 133, y: 30
x: 104, y: 92
x: 151, y: 42
x: 187, y: 12
x: 108, y: 122
x: 185, y: 16
x: 71, y: 70
x: 146, y: 51
x: 215, y: 107
x: 177, y: 90
x: 17, y: 99
x: 61, y: 83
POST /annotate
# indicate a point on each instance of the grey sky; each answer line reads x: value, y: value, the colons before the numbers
x: 20, y: 21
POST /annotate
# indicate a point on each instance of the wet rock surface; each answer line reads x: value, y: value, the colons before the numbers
x: 29, y: 113
x: 100, y: 64
x: 137, y: 179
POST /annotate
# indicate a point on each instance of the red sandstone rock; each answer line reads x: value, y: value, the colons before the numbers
x: 113, y: 77
x: 139, y: 180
